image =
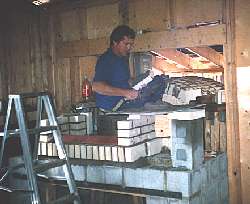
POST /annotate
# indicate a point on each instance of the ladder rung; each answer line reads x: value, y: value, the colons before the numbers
x: 33, y: 131
x: 28, y: 95
x: 48, y: 165
x: 67, y: 198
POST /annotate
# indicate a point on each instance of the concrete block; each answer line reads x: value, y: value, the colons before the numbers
x: 179, y: 181
x: 79, y: 172
x: 187, y: 114
x: 95, y: 174
x: 187, y: 143
x: 144, y: 178
x: 113, y: 175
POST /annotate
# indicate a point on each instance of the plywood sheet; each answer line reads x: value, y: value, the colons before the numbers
x: 101, y: 20
x: 71, y: 27
x: 62, y: 85
x: 149, y: 15
x: 190, y: 12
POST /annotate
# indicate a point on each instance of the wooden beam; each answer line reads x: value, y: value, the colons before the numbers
x: 209, y: 53
x: 164, y: 66
x: 176, y: 56
x: 232, y: 113
x: 193, y: 37
x: 210, y: 35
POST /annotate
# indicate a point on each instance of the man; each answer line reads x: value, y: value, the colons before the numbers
x: 111, y: 81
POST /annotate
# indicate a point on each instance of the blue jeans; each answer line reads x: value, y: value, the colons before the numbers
x: 151, y: 93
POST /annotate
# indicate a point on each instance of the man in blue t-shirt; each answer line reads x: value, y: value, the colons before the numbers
x: 111, y: 81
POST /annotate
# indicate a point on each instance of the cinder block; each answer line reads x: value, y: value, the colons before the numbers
x: 144, y: 178
x: 187, y: 143
x: 113, y: 175
x: 95, y: 174
x: 79, y: 172
x: 179, y: 181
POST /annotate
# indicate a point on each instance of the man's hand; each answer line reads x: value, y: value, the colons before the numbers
x: 131, y: 94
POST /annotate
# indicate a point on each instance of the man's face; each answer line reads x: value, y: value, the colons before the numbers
x: 123, y: 47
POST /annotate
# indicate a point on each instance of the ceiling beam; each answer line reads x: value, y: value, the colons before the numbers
x: 175, y: 57
x: 209, y: 53
x: 207, y: 35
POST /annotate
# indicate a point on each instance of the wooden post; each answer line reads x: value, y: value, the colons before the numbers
x: 233, y: 143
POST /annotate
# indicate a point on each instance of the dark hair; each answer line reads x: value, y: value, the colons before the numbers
x: 119, y: 32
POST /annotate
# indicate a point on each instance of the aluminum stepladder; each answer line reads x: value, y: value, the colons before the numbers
x: 31, y: 163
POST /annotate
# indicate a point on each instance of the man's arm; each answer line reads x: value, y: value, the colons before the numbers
x: 105, y: 89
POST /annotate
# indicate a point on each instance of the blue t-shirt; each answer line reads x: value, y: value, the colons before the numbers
x: 114, y: 70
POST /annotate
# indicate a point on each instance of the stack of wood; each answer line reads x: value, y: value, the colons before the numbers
x: 182, y: 90
x: 215, y: 132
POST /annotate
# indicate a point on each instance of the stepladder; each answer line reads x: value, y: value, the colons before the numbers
x: 44, y: 109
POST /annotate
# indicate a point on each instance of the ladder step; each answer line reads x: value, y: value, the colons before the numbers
x: 48, y: 165
x: 29, y: 95
x: 67, y: 198
x: 33, y: 131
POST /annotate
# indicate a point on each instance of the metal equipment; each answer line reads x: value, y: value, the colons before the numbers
x: 30, y: 162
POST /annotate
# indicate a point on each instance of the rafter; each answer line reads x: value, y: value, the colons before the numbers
x: 175, y: 57
x: 208, y: 53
